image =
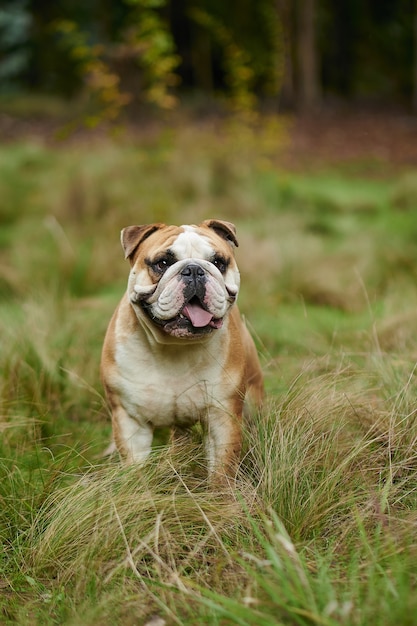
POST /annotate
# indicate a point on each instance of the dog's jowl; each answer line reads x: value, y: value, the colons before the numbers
x: 176, y: 350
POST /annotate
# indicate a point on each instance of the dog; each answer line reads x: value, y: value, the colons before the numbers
x: 177, y: 351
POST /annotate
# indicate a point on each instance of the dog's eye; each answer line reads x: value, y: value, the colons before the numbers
x: 161, y: 264
x: 220, y: 263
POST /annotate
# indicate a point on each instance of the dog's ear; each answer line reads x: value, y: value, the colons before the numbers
x: 132, y: 236
x: 225, y: 230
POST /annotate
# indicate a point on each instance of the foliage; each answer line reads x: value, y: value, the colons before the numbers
x: 146, y: 40
x: 100, y: 82
x: 320, y: 527
x: 158, y: 50
x: 250, y: 65
x: 238, y: 74
x: 15, y: 24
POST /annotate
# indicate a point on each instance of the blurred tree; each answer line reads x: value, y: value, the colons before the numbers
x: 136, y: 63
x: 146, y: 39
x: 308, y: 93
x: 415, y: 60
x: 287, y: 61
x: 15, y: 23
x: 296, y: 51
x: 366, y: 49
x: 229, y: 48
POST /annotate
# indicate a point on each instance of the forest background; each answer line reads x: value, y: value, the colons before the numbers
x: 125, y: 53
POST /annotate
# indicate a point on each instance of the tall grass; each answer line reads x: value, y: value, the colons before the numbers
x: 320, y: 527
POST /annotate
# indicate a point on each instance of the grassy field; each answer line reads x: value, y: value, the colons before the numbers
x: 321, y: 528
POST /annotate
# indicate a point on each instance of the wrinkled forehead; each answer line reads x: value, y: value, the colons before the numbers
x: 192, y: 243
x: 185, y: 242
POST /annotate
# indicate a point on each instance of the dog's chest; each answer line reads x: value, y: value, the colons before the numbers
x: 179, y: 388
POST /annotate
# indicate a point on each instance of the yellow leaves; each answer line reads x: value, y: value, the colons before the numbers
x: 159, y: 96
x: 65, y: 26
x: 100, y: 78
x: 239, y: 74
x: 156, y: 58
x: 102, y: 84
x: 147, y: 40
x: 80, y: 52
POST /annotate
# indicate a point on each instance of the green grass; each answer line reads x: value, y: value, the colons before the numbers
x: 320, y: 529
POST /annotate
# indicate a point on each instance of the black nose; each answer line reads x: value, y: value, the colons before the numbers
x: 192, y: 270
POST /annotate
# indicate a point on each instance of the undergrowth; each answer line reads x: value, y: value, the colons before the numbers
x: 320, y: 526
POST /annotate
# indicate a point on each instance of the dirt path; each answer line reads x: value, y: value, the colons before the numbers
x: 388, y: 138
x: 331, y: 137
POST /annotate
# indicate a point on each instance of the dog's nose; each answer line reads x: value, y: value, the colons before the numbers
x: 192, y: 270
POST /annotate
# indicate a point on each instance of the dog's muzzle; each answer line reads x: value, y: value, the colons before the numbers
x: 197, y: 298
x: 194, y: 278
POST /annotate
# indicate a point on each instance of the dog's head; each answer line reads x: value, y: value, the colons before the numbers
x: 183, y: 279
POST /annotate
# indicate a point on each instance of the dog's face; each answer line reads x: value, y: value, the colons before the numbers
x: 184, y: 279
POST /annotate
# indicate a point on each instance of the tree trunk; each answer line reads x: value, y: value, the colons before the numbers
x: 415, y: 60
x: 285, y: 14
x: 201, y: 58
x: 308, y: 91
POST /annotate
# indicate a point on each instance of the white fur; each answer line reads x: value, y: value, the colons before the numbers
x: 178, y: 387
x: 155, y: 379
x: 183, y: 388
x: 166, y: 297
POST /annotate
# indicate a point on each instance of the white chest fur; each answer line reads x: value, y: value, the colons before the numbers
x: 171, y: 384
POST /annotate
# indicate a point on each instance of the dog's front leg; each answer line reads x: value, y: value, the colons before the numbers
x: 223, y: 445
x: 132, y: 438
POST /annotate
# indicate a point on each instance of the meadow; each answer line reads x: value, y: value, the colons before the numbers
x: 321, y: 527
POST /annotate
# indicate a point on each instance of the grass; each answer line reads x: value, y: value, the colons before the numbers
x: 320, y: 528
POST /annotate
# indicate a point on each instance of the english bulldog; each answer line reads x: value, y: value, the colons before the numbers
x: 176, y: 351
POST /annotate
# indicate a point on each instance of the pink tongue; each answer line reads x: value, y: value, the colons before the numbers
x: 197, y: 315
